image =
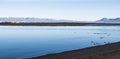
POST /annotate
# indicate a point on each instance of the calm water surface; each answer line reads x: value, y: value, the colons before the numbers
x: 17, y: 42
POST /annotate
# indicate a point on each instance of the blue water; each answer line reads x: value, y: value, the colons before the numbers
x: 17, y: 42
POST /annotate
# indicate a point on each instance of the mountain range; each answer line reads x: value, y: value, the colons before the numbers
x: 28, y: 19
x: 115, y: 20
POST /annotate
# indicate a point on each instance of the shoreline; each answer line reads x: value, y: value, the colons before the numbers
x: 107, y: 51
x: 57, y: 24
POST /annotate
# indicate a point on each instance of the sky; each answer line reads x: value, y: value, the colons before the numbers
x: 82, y: 10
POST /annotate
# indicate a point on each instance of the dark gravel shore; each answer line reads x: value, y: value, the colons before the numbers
x: 108, y: 51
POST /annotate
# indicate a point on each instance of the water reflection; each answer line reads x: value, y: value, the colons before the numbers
x: 20, y: 42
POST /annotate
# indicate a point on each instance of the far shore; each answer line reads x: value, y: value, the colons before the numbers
x: 58, y: 24
x: 107, y: 51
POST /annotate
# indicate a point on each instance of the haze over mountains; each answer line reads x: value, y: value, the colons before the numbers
x: 28, y: 19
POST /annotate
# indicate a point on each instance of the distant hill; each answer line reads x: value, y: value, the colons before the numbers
x: 20, y: 19
x: 109, y: 20
x: 48, y: 20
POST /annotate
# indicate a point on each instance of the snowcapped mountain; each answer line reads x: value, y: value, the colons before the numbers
x: 30, y: 19
x: 109, y: 20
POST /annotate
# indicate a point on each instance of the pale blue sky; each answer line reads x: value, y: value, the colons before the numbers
x: 83, y: 10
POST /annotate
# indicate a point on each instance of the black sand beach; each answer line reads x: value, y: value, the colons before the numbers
x: 107, y: 51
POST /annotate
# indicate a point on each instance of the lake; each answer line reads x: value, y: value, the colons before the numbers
x: 17, y: 42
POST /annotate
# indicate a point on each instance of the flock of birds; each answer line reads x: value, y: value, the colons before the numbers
x: 96, y: 43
